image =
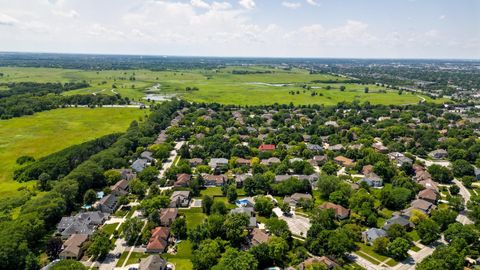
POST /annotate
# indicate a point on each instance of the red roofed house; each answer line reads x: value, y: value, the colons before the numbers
x: 428, y: 195
x: 340, y: 211
x: 182, y: 180
x: 159, y: 240
x: 266, y: 147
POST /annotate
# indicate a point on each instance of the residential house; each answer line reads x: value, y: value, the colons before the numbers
x: 372, y: 180
x: 73, y: 248
x: 371, y: 234
x: 314, y: 147
x: 147, y: 155
x: 140, y: 164
x: 438, y: 154
x: 320, y: 160
x: 182, y: 180
x: 477, y: 173
x: 168, y: 216
x: 401, y: 220
x: 127, y: 174
x: 120, y: 188
x: 331, y: 123
x: 343, y: 161
x: 243, y: 162
x: 423, y: 205
x: 340, y: 211
x: 295, y: 198
x: 211, y: 180
x: 152, y: 262
x: 159, y: 240
x: 180, y: 198
x: 367, y: 169
x: 194, y: 162
x: 270, y: 161
x: 108, y: 204
x: 81, y: 223
x: 249, y: 212
x: 336, y: 147
x: 324, y: 260
x: 240, y: 178
x: 267, y: 147
x: 218, y: 164
x: 258, y: 236
x: 379, y: 147
x: 429, y: 195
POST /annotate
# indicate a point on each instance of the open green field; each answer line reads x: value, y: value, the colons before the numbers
x: 219, y: 85
x: 47, y: 132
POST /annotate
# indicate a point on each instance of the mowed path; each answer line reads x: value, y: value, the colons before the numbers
x: 47, y: 132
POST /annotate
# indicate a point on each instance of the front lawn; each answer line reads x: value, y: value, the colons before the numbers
x: 109, y: 228
x: 193, y: 216
x: 380, y: 258
x: 181, y: 260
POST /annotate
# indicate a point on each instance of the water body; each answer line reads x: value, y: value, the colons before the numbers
x: 271, y: 84
x: 159, y: 97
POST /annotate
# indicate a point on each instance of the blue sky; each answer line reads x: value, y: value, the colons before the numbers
x: 284, y: 28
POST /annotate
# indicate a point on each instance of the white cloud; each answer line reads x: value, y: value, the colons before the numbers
x: 248, y: 4
x: 7, y: 20
x: 221, y: 5
x: 313, y: 3
x: 442, y: 17
x: 200, y: 4
x: 292, y: 5
x: 67, y: 14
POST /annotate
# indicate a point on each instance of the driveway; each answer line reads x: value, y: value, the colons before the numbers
x: 297, y: 224
x: 169, y: 163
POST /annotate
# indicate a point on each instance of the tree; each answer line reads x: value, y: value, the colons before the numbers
x: 89, y: 197
x: 327, y: 184
x: 263, y: 206
x: 131, y: 229
x: 395, y: 231
x: 440, y: 174
x: 417, y: 216
x: 207, y: 202
x: 395, y: 197
x: 112, y: 176
x: 398, y: 248
x: 232, y: 193
x: 68, y: 265
x: 278, y: 227
x: 428, y: 230
x: 444, y: 257
x: 53, y: 247
x: 380, y: 245
x: 233, y: 259
x: 454, y: 190
x: 285, y: 207
x: 444, y: 217
x: 179, y: 228
x: 366, y: 90
x: 219, y: 207
x: 330, y: 168
x: 100, y: 245
x: 235, y: 226
x: 148, y: 175
x: 278, y: 248
x: 206, y: 255
x: 43, y: 180
x: 138, y: 188
x: 462, y: 168
x: 342, y: 88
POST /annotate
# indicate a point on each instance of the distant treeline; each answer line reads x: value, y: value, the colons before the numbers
x: 28, y: 104
x: 39, y: 89
x: 59, y: 164
x: 246, y: 72
x: 23, y: 238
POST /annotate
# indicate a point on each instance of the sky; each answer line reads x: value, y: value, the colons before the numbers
x: 261, y: 28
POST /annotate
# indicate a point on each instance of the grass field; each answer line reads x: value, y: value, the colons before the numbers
x: 51, y: 131
x: 218, y: 85
x: 182, y: 259
x: 193, y: 216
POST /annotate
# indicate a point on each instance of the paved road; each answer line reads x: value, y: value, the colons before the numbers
x: 297, y: 224
x: 444, y: 163
x: 169, y: 163
x: 462, y: 218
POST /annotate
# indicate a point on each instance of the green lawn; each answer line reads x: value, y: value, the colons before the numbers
x: 135, y: 257
x: 218, y: 86
x: 413, y: 236
x: 211, y: 191
x: 415, y: 248
x: 47, y: 132
x: 194, y: 217
x: 369, y: 251
x: 109, y: 228
x: 181, y: 260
